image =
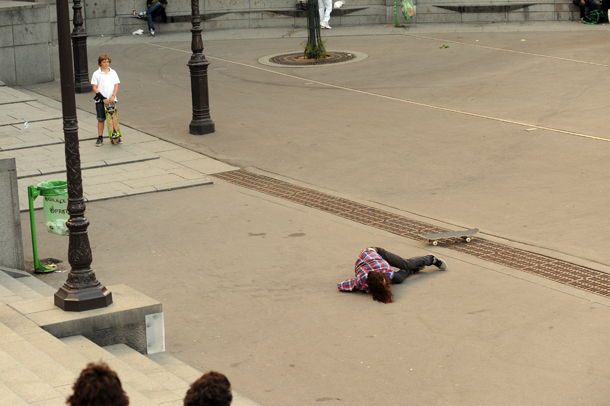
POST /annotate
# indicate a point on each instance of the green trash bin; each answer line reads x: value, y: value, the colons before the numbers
x: 55, y: 207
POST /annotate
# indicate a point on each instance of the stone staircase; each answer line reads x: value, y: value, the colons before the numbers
x: 39, y: 369
x: 143, y: 164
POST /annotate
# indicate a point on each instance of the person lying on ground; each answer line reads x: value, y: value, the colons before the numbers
x: 374, y: 272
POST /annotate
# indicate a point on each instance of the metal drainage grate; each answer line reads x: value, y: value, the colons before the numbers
x: 298, y: 59
x: 556, y: 270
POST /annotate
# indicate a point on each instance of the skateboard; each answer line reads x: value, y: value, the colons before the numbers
x: 112, y: 119
x: 464, y: 234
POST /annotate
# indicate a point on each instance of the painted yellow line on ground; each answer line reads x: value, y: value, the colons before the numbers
x: 465, y: 113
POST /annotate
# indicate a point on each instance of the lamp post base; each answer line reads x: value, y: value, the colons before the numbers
x: 79, y: 300
x: 83, y: 87
x: 201, y: 127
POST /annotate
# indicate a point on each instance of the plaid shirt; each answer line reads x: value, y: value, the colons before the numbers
x: 368, y: 261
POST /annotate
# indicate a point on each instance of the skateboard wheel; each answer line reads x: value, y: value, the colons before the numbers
x: 468, y: 239
x: 434, y: 242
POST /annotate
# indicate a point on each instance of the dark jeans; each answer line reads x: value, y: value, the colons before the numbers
x: 155, y: 7
x: 406, y: 266
x: 589, y: 4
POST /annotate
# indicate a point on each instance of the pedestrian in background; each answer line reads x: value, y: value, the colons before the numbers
x: 583, y: 5
x: 325, y: 7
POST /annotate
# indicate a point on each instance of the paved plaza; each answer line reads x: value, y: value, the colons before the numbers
x: 492, y: 126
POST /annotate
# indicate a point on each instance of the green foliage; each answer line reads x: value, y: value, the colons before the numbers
x: 315, y: 47
x: 315, y: 51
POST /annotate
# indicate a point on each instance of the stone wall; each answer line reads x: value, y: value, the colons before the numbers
x: 11, y: 243
x: 114, y: 17
x: 25, y: 43
x: 473, y: 11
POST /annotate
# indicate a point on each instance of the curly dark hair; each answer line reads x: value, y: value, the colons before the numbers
x: 98, y: 385
x: 212, y: 389
x: 380, y: 285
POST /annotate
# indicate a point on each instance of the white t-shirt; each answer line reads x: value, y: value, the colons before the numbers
x: 105, y: 82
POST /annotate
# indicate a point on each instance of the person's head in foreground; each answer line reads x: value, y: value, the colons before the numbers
x: 212, y: 389
x: 380, y: 286
x: 98, y: 385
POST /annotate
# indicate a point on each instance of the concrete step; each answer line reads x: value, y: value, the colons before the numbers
x: 7, y: 335
x: 9, y: 397
x: 50, y: 159
x: 13, y: 290
x: 69, y: 359
x: 71, y: 362
x: 149, y: 368
x: 190, y: 374
x: 154, y: 391
x: 16, y: 322
x: 25, y: 384
x: 175, y: 366
x: 41, y: 364
x: 40, y: 133
x: 30, y: 281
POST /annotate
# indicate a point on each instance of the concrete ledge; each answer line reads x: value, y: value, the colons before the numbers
x: 123, y: 322
x: 25, y: 47
x: 11, y: 243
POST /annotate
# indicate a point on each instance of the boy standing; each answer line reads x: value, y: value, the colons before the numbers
x: 105, y: 84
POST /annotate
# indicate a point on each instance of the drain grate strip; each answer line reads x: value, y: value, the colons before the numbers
x: 577, y: 276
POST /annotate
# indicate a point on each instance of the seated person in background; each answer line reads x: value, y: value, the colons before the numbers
x: 98, y: 385
x: 212, y: 389
x: 155, y: 8
x: 582, y: 4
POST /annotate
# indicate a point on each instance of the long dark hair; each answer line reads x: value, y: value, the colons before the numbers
x: 380, y: 285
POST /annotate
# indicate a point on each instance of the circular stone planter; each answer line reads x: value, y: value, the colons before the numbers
x: 297, y: 59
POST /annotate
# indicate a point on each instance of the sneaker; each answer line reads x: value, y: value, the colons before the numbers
x: 322, y: 24
x: 142, y: 14
x: 120, y: 141
x: 440, y: 264
x: 100, y: 141
x: 328, y: 27
x: 152, y: 32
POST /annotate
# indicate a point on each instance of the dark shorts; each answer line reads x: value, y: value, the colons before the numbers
x: 101, y: 111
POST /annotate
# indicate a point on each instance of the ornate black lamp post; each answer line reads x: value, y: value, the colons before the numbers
x: 314, y: 49
x: 79, y: 49
x: 201, y: 123
x: 81, y: 291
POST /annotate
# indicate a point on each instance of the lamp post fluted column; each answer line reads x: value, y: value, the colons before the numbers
x: 79, y: 49
x: 81, y: 291
x: 201, y: 123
